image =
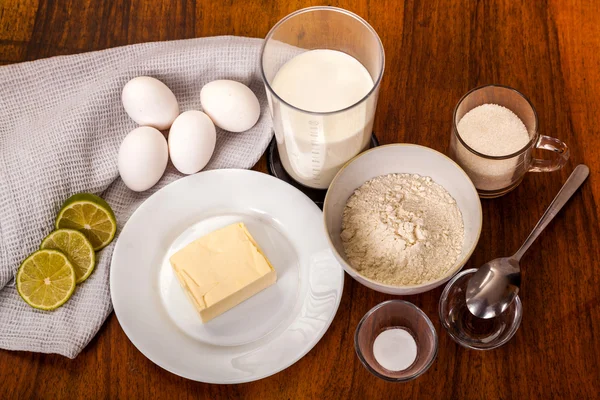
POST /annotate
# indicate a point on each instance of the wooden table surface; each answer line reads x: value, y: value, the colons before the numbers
x: 436, y: 51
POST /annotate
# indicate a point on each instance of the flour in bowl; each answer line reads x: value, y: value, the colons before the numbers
x: 402, y: 229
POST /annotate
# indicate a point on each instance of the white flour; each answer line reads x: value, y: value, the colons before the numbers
x: 402, y: 229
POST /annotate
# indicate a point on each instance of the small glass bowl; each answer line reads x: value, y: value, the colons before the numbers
x: 468, y: 330
x: 396, y: 314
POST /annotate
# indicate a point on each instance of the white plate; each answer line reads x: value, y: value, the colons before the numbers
x: 263, y: 335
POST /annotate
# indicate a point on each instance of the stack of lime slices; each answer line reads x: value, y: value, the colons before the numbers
x: 84, y: 225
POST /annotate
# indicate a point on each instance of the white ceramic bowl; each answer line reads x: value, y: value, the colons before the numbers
x: 402, y: 158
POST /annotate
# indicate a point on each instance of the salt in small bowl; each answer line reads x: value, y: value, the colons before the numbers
x: 396, y: 314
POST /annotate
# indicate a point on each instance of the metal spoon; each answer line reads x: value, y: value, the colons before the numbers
x: 495, y: 285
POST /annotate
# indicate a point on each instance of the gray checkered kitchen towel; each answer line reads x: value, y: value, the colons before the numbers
x: 61, y: 124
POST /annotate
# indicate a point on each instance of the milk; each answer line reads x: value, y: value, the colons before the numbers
x: 313, y: 147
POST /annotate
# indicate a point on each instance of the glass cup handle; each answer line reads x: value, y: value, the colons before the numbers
x: 555, y: 145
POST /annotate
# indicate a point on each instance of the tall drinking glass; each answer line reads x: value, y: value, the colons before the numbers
x: 315, y: 142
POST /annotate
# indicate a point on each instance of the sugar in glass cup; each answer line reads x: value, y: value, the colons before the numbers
x: 494, y: 176
x: 396, y: 314
x: 314, y: 144
x: 466, y: 329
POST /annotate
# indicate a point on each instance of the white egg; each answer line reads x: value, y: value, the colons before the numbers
x: 143, y: 158
x: 192, y: 140
x: 150, y: 102
x: 231, y: 105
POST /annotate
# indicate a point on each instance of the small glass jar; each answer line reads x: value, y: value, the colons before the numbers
x: 494, y: 176
x: 396, y: 314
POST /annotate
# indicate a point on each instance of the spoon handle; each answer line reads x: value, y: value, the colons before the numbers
x: 578, y: 176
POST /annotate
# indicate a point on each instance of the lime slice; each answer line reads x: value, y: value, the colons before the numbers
x: 76, y: 247
x: 90, y: 215
x: 46, y: 279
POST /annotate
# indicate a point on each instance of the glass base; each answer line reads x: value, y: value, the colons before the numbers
x: 492, y: 194
x: 276, y: 169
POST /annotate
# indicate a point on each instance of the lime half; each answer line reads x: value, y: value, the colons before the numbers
x: 76, y: 247
x: 90, y: 215
x: 46, y: 279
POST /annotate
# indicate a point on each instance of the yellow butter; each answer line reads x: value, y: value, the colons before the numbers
x: 222, y: 269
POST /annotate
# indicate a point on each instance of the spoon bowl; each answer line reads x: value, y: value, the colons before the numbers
x: 493, y: 288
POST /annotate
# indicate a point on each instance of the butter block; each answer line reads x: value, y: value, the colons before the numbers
x: 222, y: 269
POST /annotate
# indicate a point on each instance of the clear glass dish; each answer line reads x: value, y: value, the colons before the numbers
x: 396, y: 314
x: 466, y: 329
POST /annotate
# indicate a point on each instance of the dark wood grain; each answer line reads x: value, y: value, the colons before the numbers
x: 436, y: 51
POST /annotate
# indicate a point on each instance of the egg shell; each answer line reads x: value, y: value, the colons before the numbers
x: 192, y: 140
x: 143, y: 158
x: 150, y: 102
x: 231, y: 105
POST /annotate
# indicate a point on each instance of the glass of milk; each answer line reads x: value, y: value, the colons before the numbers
x: 494, y: 134
x: 321, y: 67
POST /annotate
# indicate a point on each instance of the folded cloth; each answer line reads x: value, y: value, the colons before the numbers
x: 61, y: 124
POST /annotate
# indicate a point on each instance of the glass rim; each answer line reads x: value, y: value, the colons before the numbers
x: 517, y: 153
x: 332, y: 9
x: 385, y: 377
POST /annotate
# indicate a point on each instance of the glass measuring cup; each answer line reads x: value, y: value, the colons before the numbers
x: 494, y: 176
x: 313, y: 146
